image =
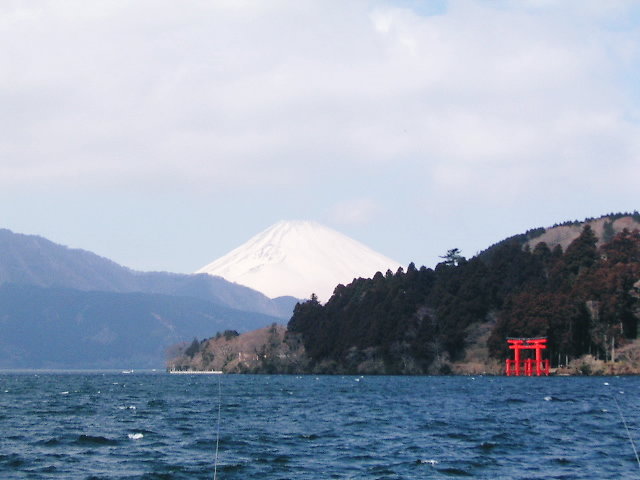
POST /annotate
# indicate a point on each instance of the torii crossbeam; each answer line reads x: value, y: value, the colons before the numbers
x: 525, y: 367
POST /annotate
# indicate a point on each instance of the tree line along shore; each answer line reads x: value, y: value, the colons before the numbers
x: 455, y: 319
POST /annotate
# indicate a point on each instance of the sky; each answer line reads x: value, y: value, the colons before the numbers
x: 163, y: 134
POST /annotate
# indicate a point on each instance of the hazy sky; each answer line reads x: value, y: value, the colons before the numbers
x: 162, y: 134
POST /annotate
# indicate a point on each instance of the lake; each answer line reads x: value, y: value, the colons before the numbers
x: 109, y: 425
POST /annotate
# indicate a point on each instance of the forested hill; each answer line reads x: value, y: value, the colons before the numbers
x: 585, y: 298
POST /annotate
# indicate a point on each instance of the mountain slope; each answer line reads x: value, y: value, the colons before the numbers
x: 66, y: 328
x: 33, y: 260
x: 298, y: 258
x: 605, y: 228
x: 584, y: 298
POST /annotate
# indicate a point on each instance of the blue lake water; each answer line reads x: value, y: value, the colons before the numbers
x: 159, y: 426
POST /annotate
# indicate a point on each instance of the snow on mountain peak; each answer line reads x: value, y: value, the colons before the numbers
x: 299, y: 258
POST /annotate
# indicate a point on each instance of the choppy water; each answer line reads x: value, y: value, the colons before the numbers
x: 158, y: 426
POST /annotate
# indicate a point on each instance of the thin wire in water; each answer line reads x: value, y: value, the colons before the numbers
x: 624, y: 421
x: 215, y: 463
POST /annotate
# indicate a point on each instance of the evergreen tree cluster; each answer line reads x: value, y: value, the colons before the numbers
x: 587, y: 300
x: 417, y: 321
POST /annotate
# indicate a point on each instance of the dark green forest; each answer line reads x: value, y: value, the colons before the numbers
x: 585, y: 299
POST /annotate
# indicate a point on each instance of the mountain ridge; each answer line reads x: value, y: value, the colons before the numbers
x: 57, y: 327
x: 34, y: 260
x: 562, y: 234
x: 70, y: 308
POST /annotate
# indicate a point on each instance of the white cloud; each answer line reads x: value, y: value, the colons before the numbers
x: 357, y: 211
x: 252, y: 92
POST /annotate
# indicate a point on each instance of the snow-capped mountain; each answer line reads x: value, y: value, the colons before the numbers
x: 298, y: 258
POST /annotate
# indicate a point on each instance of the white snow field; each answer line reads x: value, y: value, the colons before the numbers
x: 298, y: 258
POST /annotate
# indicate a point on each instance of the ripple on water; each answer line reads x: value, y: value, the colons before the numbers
x: 455, y: 471
x: 303, y: 428
x: 95, y: 440
x: 12, y: 460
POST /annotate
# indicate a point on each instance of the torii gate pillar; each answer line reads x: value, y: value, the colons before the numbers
x: 513, y: 367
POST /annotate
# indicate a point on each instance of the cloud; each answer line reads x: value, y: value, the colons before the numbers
x: 356, y: 211
x: 206, y: 94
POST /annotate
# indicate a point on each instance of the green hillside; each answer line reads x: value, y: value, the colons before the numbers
x: 585, y: 299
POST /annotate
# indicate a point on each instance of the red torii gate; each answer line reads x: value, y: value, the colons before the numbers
x: 516, y: 366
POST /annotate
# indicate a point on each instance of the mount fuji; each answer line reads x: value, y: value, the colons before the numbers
x: 298, y: 258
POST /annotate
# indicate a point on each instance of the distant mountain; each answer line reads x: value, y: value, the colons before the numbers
x: 33, y: 260
x: 67, y: 308
x: 68, y: 328
x: 299, y: 258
